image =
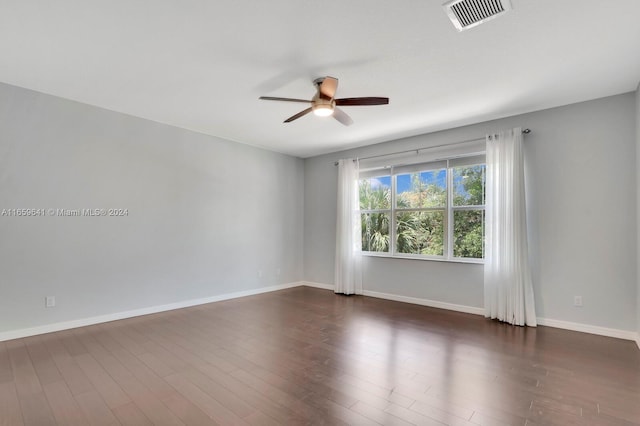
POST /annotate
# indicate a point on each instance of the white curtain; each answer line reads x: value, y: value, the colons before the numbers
x: 348, y: 273
x: 508, y: 291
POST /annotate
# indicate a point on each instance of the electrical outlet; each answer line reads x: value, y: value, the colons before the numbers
x: 259, y: 273
x: 577, y: 301
x: 49, y: 301
x: 277, y: 272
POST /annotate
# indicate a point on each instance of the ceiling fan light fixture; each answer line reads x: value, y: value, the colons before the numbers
x: 322, y: 110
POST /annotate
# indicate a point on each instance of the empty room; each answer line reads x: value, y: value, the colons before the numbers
x: 337, y: 213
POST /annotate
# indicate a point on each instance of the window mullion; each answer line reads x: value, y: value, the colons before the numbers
x: 392, y: 219
x: 449, y: 216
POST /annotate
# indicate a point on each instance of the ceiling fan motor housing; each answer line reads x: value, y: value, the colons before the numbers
x: 322, y: 107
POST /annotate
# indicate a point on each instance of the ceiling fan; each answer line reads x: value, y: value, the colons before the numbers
x: 324, y: 104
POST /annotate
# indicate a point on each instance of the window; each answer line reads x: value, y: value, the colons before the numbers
x: 375, y: 213
x: 429, y: 210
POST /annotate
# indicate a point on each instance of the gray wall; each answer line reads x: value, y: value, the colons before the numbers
x: 204, y: 216
x: 638, y: 206
x: 581, y: 181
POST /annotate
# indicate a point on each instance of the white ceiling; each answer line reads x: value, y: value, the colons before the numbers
x: 202, y: 65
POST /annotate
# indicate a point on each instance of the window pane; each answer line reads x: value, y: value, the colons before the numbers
x: 375, y: 193
x: 375, y: 232
x: 468, y: 233
x: 468, y: 185
x: 424, y: 189
x: 420, y: 232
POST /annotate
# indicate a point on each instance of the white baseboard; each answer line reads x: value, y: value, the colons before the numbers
x: 66, y: 325
x: 406, y: 299
x: 586, y: 328
x: 573, y: 326
x: 318, y: 285
x: 426, y: 302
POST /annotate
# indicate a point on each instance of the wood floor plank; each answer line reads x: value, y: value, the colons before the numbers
x: 207, y: 344
x: 75, y: 378
x: 281, y: 413
x: 443, y: 405
x: 485, y: 397
x: 95, y: 409
x: 64, y: 406
x: 158, y: 365
x: 627, y: 412
x: 6, y: 372
x: 102, y: 356
x: 483, y: 419
x: 43, y: 363
x: 297, y: 403
x: 36, y: 410
x: 187, y: 411
x: 166, y: 358
x: 284, y: 368
x: 152, y: 407
x: 379, y: 416
x: 109, y: 390
x: 260, y: 419
x: 228, y: 399
x: 10, y: 412
x: 115, y: 331
x: 334, y: 413
x: 69, y: 340
x: 131, y: 415
x: 218, y: 412
x: 412, y: 416
x: 291, y: 361
x: 157, y: 411
x: 144, y: 374
x: 443, y: 415
x: 399, y: 395
x: 25, y: 377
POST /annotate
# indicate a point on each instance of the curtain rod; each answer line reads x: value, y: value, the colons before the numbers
x: 417, y: 150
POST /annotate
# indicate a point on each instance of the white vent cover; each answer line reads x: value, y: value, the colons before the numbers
x: 466, y: 14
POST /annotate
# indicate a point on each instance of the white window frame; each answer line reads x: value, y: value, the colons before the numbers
x: 448, y: 164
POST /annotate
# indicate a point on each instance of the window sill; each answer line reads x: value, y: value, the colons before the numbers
x: 431, y: 259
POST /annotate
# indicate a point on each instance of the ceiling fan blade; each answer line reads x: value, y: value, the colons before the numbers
x: 328, y: 87
x: 273, y: 98
x: 362, y: 101
x: 298, y: 115
x: 342, y: 117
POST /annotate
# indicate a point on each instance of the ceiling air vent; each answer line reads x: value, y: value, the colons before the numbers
x: 466, y: 14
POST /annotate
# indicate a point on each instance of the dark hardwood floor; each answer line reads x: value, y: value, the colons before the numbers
x: 306, y: 356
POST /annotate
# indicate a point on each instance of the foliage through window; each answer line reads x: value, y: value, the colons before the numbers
x: 432, y: 210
